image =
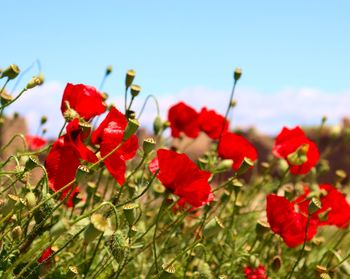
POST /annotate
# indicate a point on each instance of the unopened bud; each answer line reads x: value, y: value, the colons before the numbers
x: 11, y: 72
x: 340, y: 175
x: 157, y: 125
x: 314, y: 205
x: 131, y: 128
x: 324, y: 119
x: 43, y: 119
x: 31, y: 199
x: 135, y: 90
x: 148, y: 145
x: 130, y: 75
x: 35, y: 81
x: 224, y: 165
x: 237, y: 74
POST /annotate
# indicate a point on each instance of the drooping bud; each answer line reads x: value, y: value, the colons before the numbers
x: 237, y: 74
x: 43, y: 119
x: 314, y: 205
x: 133, y: 125
x: 130, y: 75
x: 148, y: 145
x: 11, y: 72
x: 157, y: 125
x: 135, y: 90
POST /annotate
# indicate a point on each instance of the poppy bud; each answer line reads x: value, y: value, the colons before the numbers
x: 10, y: 72
x: 41, y: 78
x: 133, y: 125
x: 5, y: 98
x: 43, y: 120
x: 314, y: 205
x: 224, y: 165
x: 130, y: 75
x: 109, y: 70
x: 117, y: 246
x: 135, y: 90
x: 157, y: 125
x: 237, y: 74
x: 148, y: 145
x: 129, y: 212
x: 31, y: 199
x: 16, y: 233
x: 168, y: 271
x: 35, y: 81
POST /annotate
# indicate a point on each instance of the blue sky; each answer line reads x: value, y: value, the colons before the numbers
x: 178, y: 45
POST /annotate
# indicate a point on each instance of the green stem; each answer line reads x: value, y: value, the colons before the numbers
x: 144, y: 105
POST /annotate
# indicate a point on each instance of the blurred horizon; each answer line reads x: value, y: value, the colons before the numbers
x: 294, y: 56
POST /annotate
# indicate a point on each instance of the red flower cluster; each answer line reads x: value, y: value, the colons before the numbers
x: 182, y: 177
x: 288, y: 223
x: 255, y: 273
x: 236, y: 148
x: 69, y: 150
x: 291, y: 142
x: 83, y: 99
x: 187, y: 120
x: 35, y: 142
x: 335, y: 208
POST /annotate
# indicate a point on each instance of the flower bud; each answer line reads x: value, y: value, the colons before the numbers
x: 109, y: 70
x: 35, y: 81
x: 16, y: 233
x: 133, y: 125
x: 148, y: 145
x: 237, y: 74
x: 135, y: 90
x: 324, y: 119
x: 340, y: 175
x: 233, y: 103
x: 117, y: 245
x: 224, y: 165
x: 314, y: 205
x: 10, y: 72
x: 157, y: 125
x: 31, y: 200
x: 130, y: 75
x: 130, y: 212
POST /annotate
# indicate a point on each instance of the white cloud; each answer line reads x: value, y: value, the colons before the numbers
x: 268, y: 112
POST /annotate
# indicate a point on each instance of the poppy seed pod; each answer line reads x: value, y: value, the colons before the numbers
x: 314, y: 205
x: 35, y: 81
x: 5, y: 98
x: 168, y: 271
x: 98, y: 224
x: 135, y: 90
x: 109, y: 70
x: 246, y: 165
x: 148, y: 145
x: 11, y: 72
x: 130, y: 75
x: 237, y: 74
x: 130, y: 213
x: 82, y: 171
x: 132, y: 126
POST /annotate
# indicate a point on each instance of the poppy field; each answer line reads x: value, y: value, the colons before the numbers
x: 102, y: 201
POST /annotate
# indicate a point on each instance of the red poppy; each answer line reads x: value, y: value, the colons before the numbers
x: 290, y: 141
x: 255, y: 273
x: 184, y: 119
x: 64, y: 158
x: 236, y: 148
x: 285, y: 221
x: 335, y: 208
x: 35, y: 142
x: 211, y: 123
x: 109, y: 135
x: 45, y: 255
x: 182, y: 177
x: 84, y: 99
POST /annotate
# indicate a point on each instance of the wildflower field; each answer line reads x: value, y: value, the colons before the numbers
x: 109, y: 203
